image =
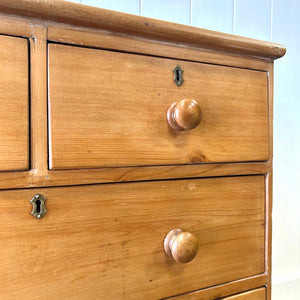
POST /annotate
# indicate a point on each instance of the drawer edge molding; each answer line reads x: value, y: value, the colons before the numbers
x: 109, y: 175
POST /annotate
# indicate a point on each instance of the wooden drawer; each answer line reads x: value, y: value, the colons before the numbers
x: 257, y: 294
x: 109, y: 109
x: 14, y: 116
x: 106, y: 241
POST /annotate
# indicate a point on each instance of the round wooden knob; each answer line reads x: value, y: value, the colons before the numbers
x: 185, y: 114
x: 181, y: 246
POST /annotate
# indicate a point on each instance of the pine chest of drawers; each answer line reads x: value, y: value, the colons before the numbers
x: 135, y: 157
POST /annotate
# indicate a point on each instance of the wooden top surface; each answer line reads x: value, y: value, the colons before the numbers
x: 82, y: 15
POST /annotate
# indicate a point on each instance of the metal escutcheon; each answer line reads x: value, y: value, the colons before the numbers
x: 38, y: 206
x: 178, y: 75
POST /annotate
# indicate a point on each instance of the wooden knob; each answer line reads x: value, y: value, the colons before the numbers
x: 181, y: 246
x: 185, y: 114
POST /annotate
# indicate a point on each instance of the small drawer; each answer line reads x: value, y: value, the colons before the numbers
x: 109, y: 109
x: 107, y: 241
x: 14, y: 102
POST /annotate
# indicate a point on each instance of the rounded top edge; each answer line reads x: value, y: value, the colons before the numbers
x: 98, y: 18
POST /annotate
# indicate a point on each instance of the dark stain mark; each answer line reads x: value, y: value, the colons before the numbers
x: 105, y: 245
x: 198, y: 157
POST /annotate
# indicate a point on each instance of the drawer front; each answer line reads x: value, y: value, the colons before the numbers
x: 258, y: 294
x: 14, y: 116
x: 109, y: 109
x: 106, y: 241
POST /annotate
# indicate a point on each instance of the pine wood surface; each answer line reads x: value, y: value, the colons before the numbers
x: 109, y: 40
x: 108, y: 109
x: 38, y: 72
x: 33, y: 178
x: 269, y: 185
x: 268, y: 229
x: 47, y: 21
x: 227, y: 290
x: 14, y: 102
x: 257, y: 294
x: 96, y: 238
x: 75, y: 14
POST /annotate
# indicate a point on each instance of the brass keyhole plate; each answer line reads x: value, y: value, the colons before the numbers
x: 178, y: 75
x: 38, y: 206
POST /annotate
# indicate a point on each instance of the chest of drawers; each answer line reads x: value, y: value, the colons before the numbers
x: 135, y: 157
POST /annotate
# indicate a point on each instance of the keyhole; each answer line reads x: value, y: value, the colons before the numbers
x: 178, y: 75
x: 38, y: 206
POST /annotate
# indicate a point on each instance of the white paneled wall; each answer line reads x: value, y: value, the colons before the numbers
x: 178, y: 11
x: 128, y: 6
x: 278, y: 21
x: 286, y: 207
x: 253, y: 18
x: 206, y: 14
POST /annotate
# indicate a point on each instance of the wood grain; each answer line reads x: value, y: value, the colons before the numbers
x: 108, y: 109
x: 92, y: 234
x: 75, y: 14
x: 14, y: 101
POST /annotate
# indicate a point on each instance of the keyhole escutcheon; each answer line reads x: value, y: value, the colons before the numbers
x: 38, y: 206
x: 178, y: 75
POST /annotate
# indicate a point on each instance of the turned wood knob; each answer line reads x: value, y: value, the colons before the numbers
x: 185, y: 114
x: 181, y: 246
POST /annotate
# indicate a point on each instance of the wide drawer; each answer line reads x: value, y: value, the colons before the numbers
x: 14, y: 104
x: 106, y: 241
x: 257, y: 294
x: 109, y: 109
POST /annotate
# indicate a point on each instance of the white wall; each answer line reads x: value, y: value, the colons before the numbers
x: 278, y: 21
